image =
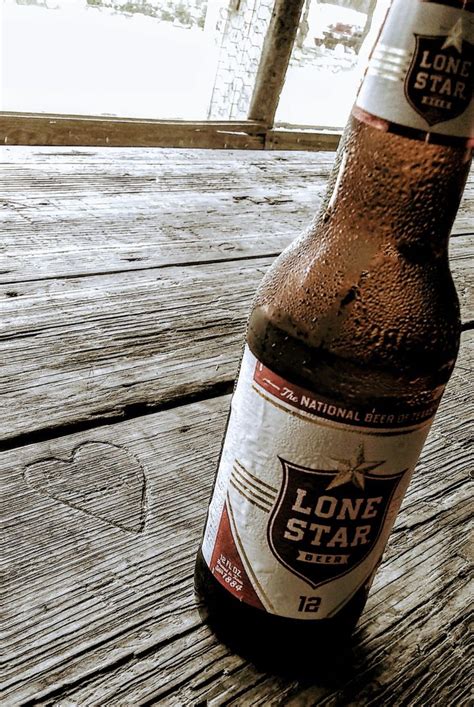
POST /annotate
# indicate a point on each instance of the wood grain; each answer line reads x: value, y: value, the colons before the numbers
x: 88, y: 348
x: 113, y: 490
x: 96, y: 615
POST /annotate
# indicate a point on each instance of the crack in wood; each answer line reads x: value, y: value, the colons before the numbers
x: 119, y: 414
x: 150, y: 268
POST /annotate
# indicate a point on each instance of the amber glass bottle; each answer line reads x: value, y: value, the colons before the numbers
x: 352, y: 337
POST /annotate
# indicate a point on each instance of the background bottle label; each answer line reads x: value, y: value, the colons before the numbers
x: 421, y: 71
x: 306, y: 494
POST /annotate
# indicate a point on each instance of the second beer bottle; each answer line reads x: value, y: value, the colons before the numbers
x: 352, y: 337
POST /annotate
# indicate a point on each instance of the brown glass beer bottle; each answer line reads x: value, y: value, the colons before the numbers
x: 352, y: 337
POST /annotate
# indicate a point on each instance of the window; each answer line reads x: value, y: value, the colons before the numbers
x: 130, y: 58
x: 180, y: 60
x: 324, y: 70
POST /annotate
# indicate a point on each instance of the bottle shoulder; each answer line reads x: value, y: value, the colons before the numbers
x: 330, y: 290
x: 383, y: 320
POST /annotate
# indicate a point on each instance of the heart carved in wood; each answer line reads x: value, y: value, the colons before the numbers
x: 101, y: 479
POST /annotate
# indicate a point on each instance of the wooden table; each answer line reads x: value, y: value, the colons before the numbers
x: 126, y: 276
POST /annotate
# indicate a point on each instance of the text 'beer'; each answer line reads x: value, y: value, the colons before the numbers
x: 352, y: 337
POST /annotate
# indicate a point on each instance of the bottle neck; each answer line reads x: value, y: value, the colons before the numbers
x: 406, y: 152
x: 396, y: 190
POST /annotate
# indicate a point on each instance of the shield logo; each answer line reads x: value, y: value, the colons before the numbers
x: 439, y: 82
x: 324, y: 523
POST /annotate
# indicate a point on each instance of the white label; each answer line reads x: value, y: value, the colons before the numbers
x: 421, y: 70
x: 304, y: 502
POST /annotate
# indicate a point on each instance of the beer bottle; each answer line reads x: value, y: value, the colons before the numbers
x: 352, y: 337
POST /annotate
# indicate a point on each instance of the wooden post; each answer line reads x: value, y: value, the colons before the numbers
x: 274, y: 61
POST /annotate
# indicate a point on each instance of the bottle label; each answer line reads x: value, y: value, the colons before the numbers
x: 420, y: 74
x: 306, y: 494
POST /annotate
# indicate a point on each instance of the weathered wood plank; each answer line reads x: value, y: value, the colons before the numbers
x: 127, y: 232
x: 78, y: 212
x: 101, y: 612
x: 75, y: 131
x: 38, y: 129
x: 74, y: 216
x: 86, y: 348
x: 121, y: 235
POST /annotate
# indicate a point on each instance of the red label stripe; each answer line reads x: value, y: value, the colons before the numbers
x: 377, y: 417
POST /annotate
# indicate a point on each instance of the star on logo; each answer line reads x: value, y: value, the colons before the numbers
x: 454, y: 38
x: 353, y: 470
